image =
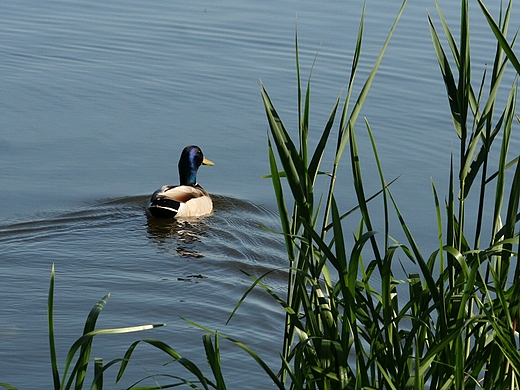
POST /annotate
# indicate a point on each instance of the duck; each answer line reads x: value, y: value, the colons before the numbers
x: 188, y: 199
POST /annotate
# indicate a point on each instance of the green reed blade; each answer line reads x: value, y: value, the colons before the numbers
x: 417, y: 253
x: 249, y: 351
x: 449, y: 36
x: 356, y: 261
x: 162, y: 346
x: 342, y: 126
x: 512, y: 212
x: 297, y: 379
x: 98, y: 374
x: 502, y: 41
x: 473, y: 166
x: 369, y: 199
x: 85, y: 342
x: 498, y: 73
x: 84, y: 354
x: 450, y: 225
x: 317, y: 156
x: 508, y: 165
x: 257, y: 281
x: 360, y: 192
x: 449, y: 80
x: 366, y: 86
x: 288, y: 154
x: 468, y: 162
x: 383, y: 183
x: 50, y: 320
x: 464, y: 84
x: 213, y: 358
x: 339, y: 241
x: 355, y: 62
x: 126, y: 360
x: 439, y: 224
x: 282, y: 208
x: 303, y: 110
x: 502, y: 166
x: 304, y: 121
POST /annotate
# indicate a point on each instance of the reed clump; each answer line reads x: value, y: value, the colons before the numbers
x: 457, y: 326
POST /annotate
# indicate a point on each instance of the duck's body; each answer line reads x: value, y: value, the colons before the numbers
x: 180, y: 201
x: 188, y: 199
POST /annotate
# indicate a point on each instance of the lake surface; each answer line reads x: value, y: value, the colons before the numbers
x: 97, y: 99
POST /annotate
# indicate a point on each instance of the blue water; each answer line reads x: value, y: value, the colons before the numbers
x: 97, y: 99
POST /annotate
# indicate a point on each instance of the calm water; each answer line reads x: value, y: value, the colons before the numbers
x: 97, y: 99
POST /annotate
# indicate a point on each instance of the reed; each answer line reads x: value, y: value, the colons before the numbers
x: 457, y: 326
x: 79, y: 353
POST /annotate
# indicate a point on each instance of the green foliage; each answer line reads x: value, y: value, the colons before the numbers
x: 457, y: 326
x: 82, y: 347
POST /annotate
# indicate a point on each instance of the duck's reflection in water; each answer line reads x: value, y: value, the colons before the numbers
x: 182, y: 234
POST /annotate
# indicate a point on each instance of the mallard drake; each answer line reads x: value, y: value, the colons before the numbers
x: 188, y: 199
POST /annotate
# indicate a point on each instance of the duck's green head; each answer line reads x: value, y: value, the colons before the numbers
x: 190, y: 161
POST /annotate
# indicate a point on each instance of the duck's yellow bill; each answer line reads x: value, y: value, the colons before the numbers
x: 207, y: 162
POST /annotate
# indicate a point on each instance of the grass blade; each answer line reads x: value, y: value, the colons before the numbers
x: 52, y: 346
x: 289, y: 157
x: 213, y: 357
x: 161, y: 346
x: 502, y: 41
x: 449, y: 80
x: 251, y: 353
x: 84, y: 354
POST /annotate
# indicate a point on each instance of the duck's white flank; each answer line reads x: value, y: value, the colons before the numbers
x: 194, y: 201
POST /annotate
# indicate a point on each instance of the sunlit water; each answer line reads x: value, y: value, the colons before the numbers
x: 97, y: 99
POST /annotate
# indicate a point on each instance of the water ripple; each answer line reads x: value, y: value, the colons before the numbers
x: 157, y: 271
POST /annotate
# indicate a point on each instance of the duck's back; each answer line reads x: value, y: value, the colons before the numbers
x: 180, y: 201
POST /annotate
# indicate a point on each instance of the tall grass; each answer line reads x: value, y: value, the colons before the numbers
x: 321, y: 312
x: 80, y: 351
x: 457, y: 326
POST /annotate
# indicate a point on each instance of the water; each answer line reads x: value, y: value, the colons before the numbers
x: 96, y: 102
x: 156, y: 272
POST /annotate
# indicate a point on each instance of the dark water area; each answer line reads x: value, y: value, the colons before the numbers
x: 98, y: 99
